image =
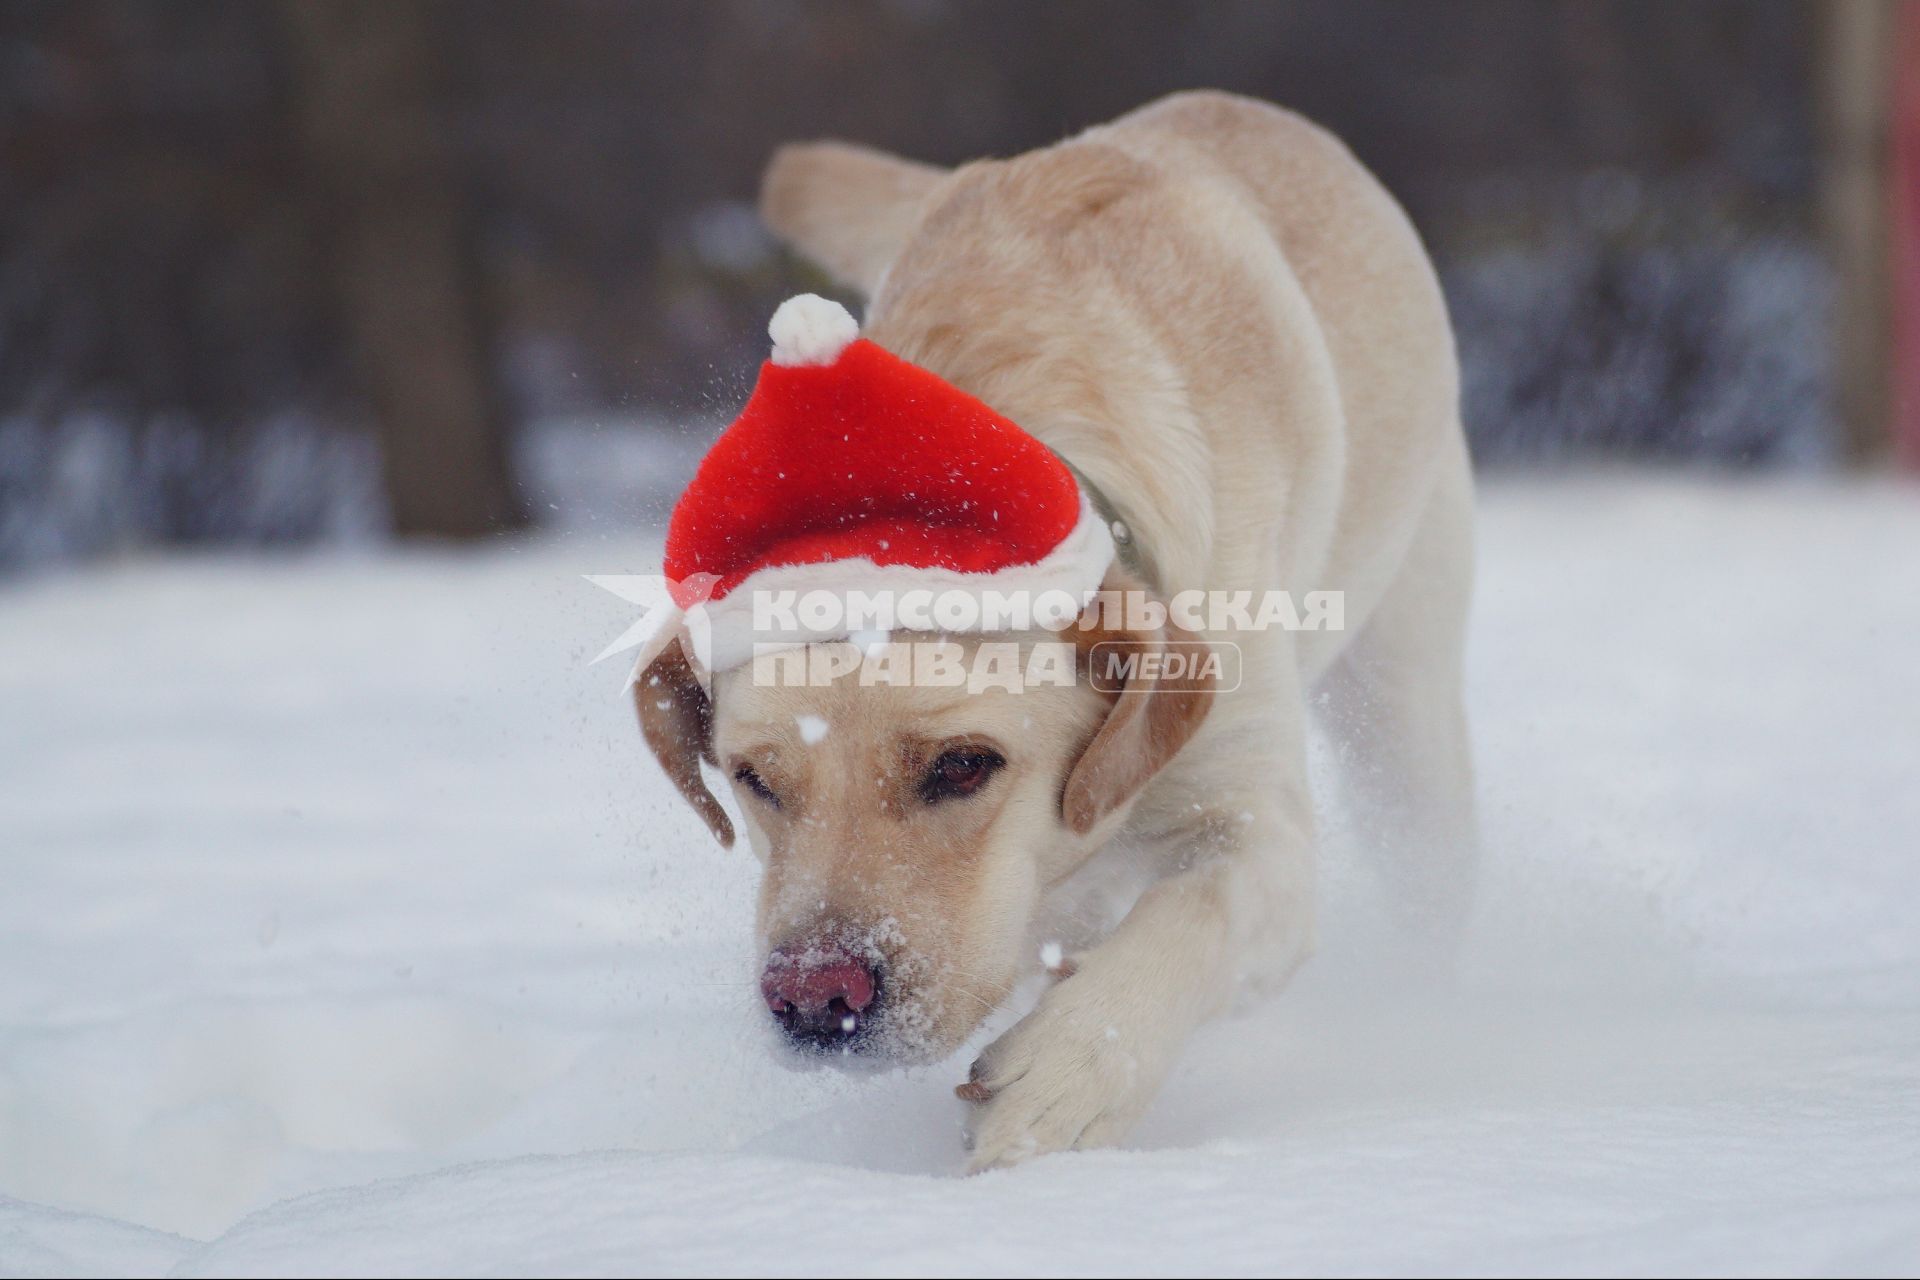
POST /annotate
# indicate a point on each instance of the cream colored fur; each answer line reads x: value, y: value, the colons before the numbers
x: 1218, y: 315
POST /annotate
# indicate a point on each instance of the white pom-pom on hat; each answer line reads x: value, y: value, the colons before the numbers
x: 810, y: 330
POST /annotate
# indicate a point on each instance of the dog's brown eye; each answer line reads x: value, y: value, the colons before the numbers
x: 753, y: 782
x: 959, y: 772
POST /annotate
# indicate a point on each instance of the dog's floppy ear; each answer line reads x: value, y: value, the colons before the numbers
x: 676, y: 718
x: 848, y: 208
x: 1158, y: 707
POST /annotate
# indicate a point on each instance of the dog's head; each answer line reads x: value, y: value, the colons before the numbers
x: 909, y: 829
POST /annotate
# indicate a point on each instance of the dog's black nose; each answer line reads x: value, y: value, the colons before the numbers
x: 820, y: 994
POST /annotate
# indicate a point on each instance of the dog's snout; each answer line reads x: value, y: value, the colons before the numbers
x: 821, y: 994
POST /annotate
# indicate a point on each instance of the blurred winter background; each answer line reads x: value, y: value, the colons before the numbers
x: 345, y: 927
x: 289, y: 273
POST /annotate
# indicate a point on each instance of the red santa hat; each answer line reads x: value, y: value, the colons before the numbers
x: 852, y: 470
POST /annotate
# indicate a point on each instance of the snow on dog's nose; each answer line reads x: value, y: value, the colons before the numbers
x: 820, y: 994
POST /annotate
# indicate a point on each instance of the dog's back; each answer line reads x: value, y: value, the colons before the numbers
x: 1375, y: 300
x: 1208, y: 304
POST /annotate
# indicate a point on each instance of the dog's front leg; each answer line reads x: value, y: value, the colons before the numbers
x: 1081, y: 1068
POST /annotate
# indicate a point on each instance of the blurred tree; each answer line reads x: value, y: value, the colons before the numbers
x: 1857, y: 41
x: 1904, y: 338
x: 405, y: 261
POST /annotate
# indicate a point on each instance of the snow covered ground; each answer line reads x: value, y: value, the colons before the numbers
x: 346, y: 928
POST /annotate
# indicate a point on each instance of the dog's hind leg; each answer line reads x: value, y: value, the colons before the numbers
x: 1392, y: 706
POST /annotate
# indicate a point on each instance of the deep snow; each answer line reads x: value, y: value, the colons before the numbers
x: 345, y: 927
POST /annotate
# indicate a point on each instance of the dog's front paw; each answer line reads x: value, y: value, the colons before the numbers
x: 1073, y: 1073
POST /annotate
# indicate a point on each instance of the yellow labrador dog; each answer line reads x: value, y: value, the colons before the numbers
x: 1230, y: 330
